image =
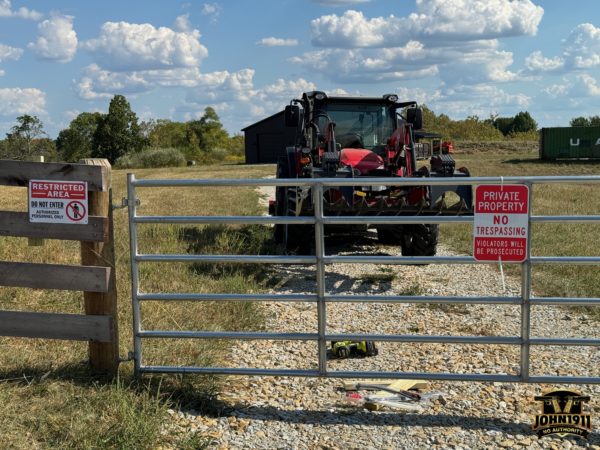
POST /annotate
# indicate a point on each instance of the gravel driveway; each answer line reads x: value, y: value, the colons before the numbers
x: 305, y: 413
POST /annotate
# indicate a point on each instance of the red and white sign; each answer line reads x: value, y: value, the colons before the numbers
x: 58, y: 201
x: 501, y: 224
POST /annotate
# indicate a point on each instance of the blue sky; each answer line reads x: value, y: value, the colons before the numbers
x: 248, y: 59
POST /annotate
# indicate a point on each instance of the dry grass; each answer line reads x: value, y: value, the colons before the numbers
x: 51, y: 400
x: 548, y: 239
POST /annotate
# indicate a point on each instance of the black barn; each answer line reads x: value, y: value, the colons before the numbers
x: 267, y: 139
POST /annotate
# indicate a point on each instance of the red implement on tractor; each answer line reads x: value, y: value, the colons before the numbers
x: 354, y: 137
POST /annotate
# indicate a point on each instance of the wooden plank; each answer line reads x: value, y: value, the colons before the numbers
x: 56, y: 326
x: 54, y: 276
x: 17, y: 224
x: 18, y: 173
x: 400, y: 385
x: 104, y: 357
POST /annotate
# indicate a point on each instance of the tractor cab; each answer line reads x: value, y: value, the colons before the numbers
x: 354, y: 137
x: 353, y: 133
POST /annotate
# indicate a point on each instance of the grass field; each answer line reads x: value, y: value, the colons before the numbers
x: 557, y: 199
x: 49, y: 398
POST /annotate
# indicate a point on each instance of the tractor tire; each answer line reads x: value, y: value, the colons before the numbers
x: 420, y: 240
x: 279, y: 211
x: 390, y: 234
x: 280, y: 199
x: 296, y: 238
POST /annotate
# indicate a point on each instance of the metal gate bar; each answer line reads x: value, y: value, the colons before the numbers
x: 321, y: 298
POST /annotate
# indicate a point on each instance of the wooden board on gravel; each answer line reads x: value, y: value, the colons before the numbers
x: 399, y: 385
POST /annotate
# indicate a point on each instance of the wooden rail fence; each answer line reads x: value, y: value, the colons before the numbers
x: 95, y: 276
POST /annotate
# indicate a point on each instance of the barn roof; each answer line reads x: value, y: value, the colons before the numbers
x: 280, y: 113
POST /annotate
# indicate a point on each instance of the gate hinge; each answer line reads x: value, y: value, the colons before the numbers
x: 125, y: 203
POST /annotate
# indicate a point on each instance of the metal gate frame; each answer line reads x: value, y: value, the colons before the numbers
x: 321, y: 298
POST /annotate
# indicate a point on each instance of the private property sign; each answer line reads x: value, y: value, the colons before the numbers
x: 500, y: 226
x: 58, y: 201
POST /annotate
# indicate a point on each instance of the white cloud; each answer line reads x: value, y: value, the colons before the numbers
x: 212, y: 10
x: 124, y: 46
x: 347, y: 66
x: 557, y: 90
x: 582, y: 86
x: 22, y: 12
x: 435, y: 20
x: 285, y: 90
x: 182, y: 23
x: 57, y: 39
x: 223, y: 86
x: 580, y: 51
x: 480, y: 100
x: 536, y: 62
x: 98, y: 83
x: 277, y: 42
x: 456, y: 40
x: 15, y: 101
x: 464, y: 63
x: 353, y: 30
x: 242, y: 103
x: 478, y: 67
x: 589, y: 85
x: 7, y: 52
x: 483, y: 19
x: 582, y: 47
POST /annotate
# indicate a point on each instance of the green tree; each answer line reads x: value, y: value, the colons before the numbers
x: 23, y: 140
x: 580, y: 122
x: 118, y: 132
x: 75, y: 142
x: 209, y: 131
x: 592, y: 121
x: 504, y: 124
x: 520, y: 123
x: 237, y: 145
x: 168, y: 134
x: 523, y: 123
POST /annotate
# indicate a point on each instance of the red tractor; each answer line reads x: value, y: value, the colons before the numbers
x: 354, y: 137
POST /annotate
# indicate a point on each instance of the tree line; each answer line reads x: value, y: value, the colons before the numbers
x: 122, y: 139
x: 521, y: 126
x: 592, y: 121
x: 119, y: 135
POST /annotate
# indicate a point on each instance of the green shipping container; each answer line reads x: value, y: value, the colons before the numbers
x: 570, y: 143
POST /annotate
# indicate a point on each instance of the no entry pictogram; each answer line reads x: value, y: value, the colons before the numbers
x: 501, y: 223
x: 76, y: 211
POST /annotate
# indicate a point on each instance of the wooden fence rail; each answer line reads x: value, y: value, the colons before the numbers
x: 95, y: 277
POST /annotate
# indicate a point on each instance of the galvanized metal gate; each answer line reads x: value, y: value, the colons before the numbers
x: 321, y: 297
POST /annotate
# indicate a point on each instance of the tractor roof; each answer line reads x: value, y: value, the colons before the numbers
x: 389, y: 99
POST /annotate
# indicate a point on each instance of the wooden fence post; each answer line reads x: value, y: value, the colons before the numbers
x: 36, y: 242
x: 104, y: 356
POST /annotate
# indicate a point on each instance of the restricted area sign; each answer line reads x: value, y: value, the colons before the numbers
x: 58, y: 201
x: 500, y: 222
